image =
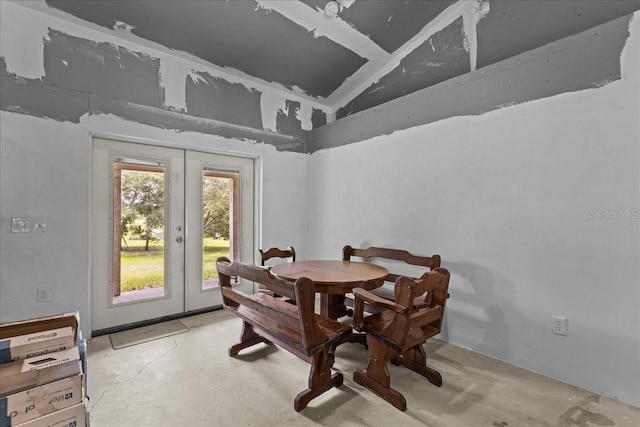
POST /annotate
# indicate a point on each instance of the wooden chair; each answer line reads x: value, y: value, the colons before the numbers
x: 398, y: 332
x: 288, y: 253
x: 277, y: 253
x: 429, y: 263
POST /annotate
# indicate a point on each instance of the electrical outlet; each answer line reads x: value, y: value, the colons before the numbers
x: 28, y: 225
x: 44, y: 294
x: 559, y: 325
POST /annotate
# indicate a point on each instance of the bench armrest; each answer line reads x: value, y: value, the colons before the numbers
x: 363, y: 296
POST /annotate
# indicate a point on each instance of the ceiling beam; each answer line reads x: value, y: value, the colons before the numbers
x: 380, y: 66
x: 321, y: 25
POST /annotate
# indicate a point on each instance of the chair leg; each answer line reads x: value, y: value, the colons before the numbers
x: 376, y: 377
x: 416, y: 360
x: 320, y: 380
x: 248, y: 337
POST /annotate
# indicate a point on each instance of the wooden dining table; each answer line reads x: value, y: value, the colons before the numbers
x: 333, y: 279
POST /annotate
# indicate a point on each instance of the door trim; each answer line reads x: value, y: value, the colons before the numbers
x: 152, y: 144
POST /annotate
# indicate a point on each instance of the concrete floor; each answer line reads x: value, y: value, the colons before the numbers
x: 189, y: 380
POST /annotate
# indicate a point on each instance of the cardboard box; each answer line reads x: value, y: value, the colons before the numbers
x: 73, y: 416
x: 35, y: 337
x: 51, y: 359
x: 26, y: 395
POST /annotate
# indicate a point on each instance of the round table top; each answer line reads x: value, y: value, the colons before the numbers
x: 334, y: 277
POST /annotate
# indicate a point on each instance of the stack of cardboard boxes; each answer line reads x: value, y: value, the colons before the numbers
x: 42, y: 373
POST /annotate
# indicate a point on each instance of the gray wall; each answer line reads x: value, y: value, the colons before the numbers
x: 511, y: 199
x: 47, y: 124
x: 45, y: 173
x: 534, y: 209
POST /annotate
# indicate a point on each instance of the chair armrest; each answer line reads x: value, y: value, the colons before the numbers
x: 361, y: 297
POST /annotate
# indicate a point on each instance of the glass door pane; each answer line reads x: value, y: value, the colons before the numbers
x: 220, y: 216
x: 138, y: 230
x: 137, y: 233
x: 217, y: 196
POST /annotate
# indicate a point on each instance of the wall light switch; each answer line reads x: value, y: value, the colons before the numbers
x: 28, y: 225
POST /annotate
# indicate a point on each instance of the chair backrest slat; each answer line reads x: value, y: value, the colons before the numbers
x: 431, y: 262
x: 436, y: 283
x: 277, y: 253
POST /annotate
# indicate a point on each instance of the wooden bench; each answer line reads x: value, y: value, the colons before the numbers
x: 296, y: 328
x: 399, y: 255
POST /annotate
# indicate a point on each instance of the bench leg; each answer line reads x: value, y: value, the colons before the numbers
x: 248, y: 337
x: 416, y: 360
x: 376, y: 377
x: 320, y: 380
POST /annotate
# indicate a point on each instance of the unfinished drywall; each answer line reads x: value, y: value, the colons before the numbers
x: 216, y: 98
x: 287, y: 120
x: 514, y: 27
x: 70, y: 71
x: 439, y: 58
x: 535, y: 210
x: 33, y: 97
x: 171, y: 120
x: 45, y: 151
x: 318, y: 118
x: 565, y: 65
x: 268, y: 57
x: 391, y: 24
x: 101, y: 69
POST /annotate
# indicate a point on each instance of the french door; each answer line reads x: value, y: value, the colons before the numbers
x: 160, y: 218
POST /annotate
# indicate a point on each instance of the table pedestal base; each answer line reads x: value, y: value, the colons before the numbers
x: 332, y: 306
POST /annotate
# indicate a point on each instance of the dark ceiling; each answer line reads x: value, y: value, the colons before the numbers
x: 373, y: 51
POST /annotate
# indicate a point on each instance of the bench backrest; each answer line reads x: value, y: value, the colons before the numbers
x: 299, y: 317
x: 431, y: 262
x: 261, y: 275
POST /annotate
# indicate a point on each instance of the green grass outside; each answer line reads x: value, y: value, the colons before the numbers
x: 142, y: 269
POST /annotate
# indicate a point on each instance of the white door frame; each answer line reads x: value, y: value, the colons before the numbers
x: 250, y: 225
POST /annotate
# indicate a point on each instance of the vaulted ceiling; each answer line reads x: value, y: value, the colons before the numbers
x: 371, y: 52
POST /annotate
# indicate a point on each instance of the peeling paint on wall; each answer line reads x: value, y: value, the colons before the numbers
x: 441, y: 57
x: 218, y: 99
